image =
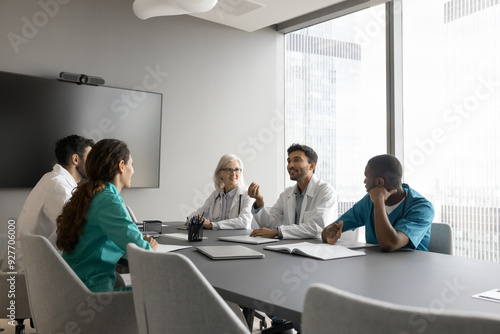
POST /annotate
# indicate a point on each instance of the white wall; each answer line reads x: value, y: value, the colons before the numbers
x: 223, y: 92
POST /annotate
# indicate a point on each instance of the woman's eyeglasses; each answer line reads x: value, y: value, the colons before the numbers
x: 230, y: 170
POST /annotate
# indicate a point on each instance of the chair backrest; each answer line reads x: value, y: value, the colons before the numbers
x: 328, y: 309
x: 59, y: 300
x: 172, y: 296
x: 132, y: 215
x: 441, y: 238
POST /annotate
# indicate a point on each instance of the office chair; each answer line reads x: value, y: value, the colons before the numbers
x: 59, y: 300
x: 172, y: 296
x: 328, y: 309
x: 19, y: 294
x: 441, y: 238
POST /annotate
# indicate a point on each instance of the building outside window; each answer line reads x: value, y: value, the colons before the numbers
x: 451, y: 111
x: 335, y: 101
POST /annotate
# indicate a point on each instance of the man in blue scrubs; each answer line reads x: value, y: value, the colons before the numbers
x: 394, y: 215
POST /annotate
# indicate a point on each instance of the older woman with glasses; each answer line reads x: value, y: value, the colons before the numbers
x: 229, y: 206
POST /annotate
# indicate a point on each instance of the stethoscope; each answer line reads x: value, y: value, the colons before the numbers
x: 217, y: 215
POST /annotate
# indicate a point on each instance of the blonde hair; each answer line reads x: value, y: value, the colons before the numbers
x: 218, y: 184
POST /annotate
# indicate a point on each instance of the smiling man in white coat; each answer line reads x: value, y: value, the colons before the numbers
x: 302, y: 210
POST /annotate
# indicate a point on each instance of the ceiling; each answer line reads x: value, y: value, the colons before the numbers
x: 251, y: 15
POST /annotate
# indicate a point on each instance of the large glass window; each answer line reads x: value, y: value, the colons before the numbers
x: 451, y: 73
x: 335, y: 97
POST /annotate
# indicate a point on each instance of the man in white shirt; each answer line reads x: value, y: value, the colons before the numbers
x: 301, y: 211
x: 46, y: 200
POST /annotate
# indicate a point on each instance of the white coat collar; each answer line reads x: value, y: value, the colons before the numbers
x: 58, y: 169
x: 311, y: 186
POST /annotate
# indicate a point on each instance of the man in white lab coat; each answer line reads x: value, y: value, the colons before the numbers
x: 46, y: 200
x: 303, y: 210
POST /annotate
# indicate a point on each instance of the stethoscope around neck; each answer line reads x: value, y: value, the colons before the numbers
x: 218, y: 208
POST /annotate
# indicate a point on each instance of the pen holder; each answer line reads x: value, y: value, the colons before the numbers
x: 195, y: 232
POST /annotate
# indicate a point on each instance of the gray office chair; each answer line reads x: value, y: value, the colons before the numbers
x: 59, y: 300
x: 172, y: 296
x: 19, y: 296
x: 328, y: 309
x: 441, y: 238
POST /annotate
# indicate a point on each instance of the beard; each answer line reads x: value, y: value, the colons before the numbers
x: 295, y: 174
x: 81, y: 170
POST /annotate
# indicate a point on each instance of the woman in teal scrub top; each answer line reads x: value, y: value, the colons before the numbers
x: 95, y: 227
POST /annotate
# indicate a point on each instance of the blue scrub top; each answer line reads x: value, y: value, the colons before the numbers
x: 413, y: 218
x: 107, y: 231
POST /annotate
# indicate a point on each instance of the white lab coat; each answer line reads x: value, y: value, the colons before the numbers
x: 236, y: 220
x: 42, y: 207
x: 319, y: 208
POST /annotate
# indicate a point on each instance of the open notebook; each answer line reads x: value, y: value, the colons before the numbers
x: 317, y: 251
x: 233, y: 252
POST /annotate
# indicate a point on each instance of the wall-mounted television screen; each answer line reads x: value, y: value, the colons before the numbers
x: 35, y: 112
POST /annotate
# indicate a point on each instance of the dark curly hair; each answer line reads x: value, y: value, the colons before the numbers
x: 102, y: 165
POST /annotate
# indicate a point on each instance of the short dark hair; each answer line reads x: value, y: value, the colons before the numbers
x: 73, y: 144
x: 309, y: 152
x: 387, y: 167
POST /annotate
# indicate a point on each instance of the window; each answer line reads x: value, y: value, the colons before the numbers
x: 335, y: 81
x: 335, y: 97
x: 451, y: 82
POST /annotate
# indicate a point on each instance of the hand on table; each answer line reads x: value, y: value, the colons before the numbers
x: 264, y: 232
x: 207, y: 224
x: 152, y: 242
x: 332, y: 232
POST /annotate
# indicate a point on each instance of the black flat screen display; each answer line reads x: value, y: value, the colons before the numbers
x: 35, y: 112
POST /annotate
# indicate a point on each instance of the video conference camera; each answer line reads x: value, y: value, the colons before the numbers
x: 81, y: 78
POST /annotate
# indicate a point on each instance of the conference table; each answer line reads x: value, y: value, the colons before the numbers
x: 278, y: 283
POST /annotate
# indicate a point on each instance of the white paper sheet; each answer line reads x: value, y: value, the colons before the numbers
x: 491, y: 295
x: 169, y: 248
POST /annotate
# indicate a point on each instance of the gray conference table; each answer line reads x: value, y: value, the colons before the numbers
x: 278, y: 283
